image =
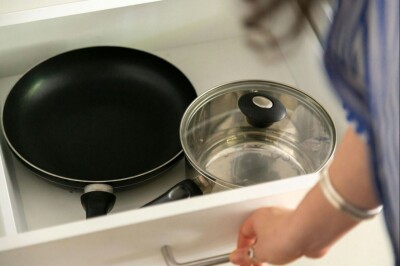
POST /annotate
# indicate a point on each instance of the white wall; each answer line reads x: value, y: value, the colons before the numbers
x: 150, y: 27
x: 7, y: 6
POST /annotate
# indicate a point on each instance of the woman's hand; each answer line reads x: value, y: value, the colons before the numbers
x: 269, y: 231
x: 279, y: 236
x: 276, y: 237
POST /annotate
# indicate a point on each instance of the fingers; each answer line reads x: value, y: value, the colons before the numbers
x: 244, y: 254
x: 245, y: 257
x: 247, y: 235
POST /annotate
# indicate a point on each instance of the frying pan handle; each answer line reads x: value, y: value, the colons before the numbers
x: 261, y: 109
x: 97, y: 200
x: 184, y: 189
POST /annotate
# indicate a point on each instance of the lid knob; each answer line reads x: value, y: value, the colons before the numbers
x: 262, y: 102
x: 260, y: 109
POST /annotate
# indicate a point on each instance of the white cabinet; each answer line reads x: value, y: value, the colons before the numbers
x: 41, y: 224
x: 7, y: 6
x: 78, y: 6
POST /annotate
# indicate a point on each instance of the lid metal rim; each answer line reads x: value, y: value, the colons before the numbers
x: 226, y: 87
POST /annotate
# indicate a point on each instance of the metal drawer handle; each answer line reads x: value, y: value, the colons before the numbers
x: 170, y: 260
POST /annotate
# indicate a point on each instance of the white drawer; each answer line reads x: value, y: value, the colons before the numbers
x: 41, y: 224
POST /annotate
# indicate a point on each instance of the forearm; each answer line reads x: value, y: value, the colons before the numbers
x: 351, y: 172
x: 317, y: 224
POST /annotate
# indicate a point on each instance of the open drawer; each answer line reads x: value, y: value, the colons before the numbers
x: 41, y: 224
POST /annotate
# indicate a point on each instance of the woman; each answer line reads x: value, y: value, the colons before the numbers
x: 362, y: 61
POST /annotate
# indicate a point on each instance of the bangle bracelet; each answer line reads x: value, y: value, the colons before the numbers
x: 341, y: 204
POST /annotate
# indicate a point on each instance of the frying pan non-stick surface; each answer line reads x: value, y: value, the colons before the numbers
x: 98, y: 115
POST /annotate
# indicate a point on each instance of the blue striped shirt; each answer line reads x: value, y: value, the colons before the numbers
x: 362, y: 60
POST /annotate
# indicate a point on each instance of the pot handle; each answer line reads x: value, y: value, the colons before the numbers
x: 184, y: 189
x: 260, y: 109
x: 170, y: 260
x: 97, y: 200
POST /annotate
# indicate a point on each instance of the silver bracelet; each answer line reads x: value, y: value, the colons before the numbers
x: 341, y: 204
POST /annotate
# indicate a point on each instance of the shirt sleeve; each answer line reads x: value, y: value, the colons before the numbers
x: 362, y: 62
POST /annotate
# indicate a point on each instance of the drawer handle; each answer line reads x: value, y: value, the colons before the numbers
x: 170, y: 260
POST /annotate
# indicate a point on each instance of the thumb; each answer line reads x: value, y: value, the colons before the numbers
x: 241, y: 257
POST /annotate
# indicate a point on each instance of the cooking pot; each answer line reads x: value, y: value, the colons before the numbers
x: 249, y: 132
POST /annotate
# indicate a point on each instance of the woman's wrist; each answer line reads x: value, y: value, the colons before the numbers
x: 338, y: 202
x: 350, y: 172
x: 316, y: 224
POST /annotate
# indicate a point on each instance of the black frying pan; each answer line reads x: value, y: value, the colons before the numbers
x: 100, y: 115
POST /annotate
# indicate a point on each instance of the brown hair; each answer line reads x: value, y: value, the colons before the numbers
x: 260, y: 10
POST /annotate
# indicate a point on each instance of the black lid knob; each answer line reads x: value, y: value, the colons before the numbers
x: 261, y: 109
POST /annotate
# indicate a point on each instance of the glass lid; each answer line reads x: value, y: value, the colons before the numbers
x: 250, y: 132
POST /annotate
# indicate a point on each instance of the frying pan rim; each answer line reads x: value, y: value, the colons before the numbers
x: 83, y: 181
